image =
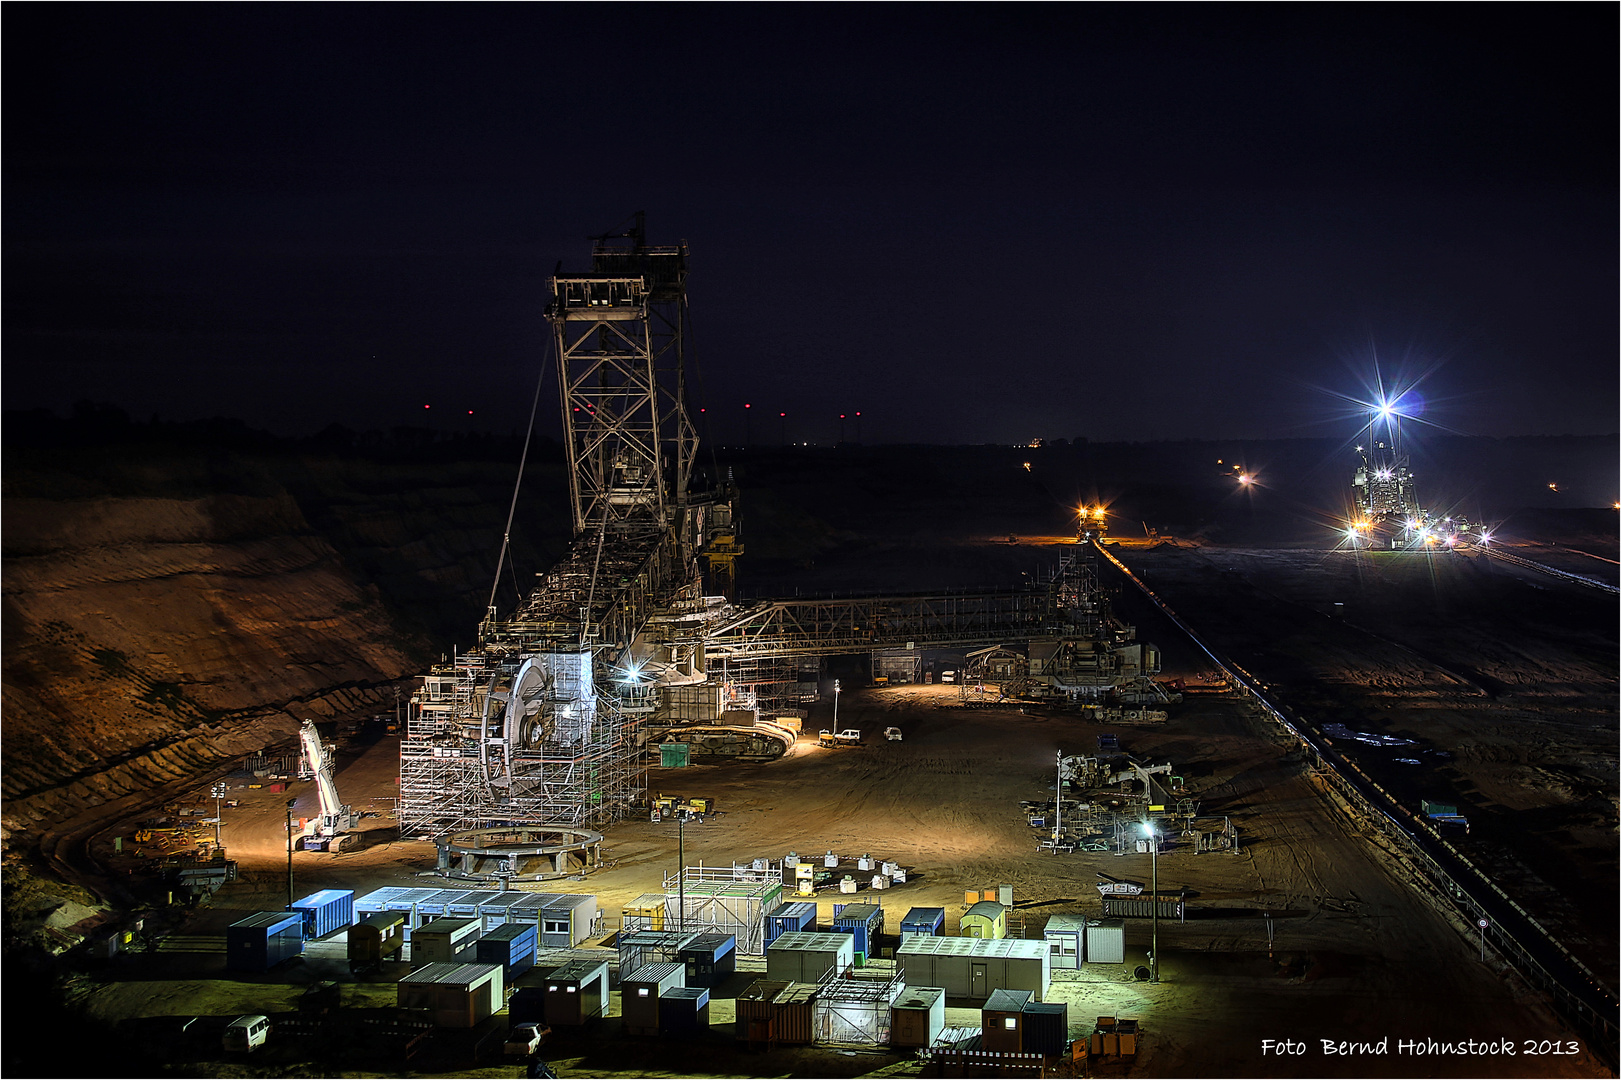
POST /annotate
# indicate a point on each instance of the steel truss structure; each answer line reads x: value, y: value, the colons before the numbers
x: 853, y: 1006
x: 534, y: 727
x: 726, y: 900
x: 863, y: 623
x: 545, y: 723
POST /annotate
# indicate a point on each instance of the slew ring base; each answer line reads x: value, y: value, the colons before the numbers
x: 541, y: 853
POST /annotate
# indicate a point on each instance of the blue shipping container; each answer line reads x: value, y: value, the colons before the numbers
x: 512, y: 945
x: 260, y: 942
x: 799, y: 915
x: 865, y: 921
x: 924, y: 920
x: 326, y: 911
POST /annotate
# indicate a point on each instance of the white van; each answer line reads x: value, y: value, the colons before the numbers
x: 246, y: 1032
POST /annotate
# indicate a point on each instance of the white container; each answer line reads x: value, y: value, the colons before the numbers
x: 975, y: 967
x: 898, y: 876
x: 454, y: 995
x: 848, y: 884
x: 889, y: 868
x: 864, y: 863
x: 1065, y: 936
x: 803, y: 956
x: 830, y: 860
x: 879, y: 881
x: 1106, y: 941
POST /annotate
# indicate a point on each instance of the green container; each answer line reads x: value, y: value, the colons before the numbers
x: 673, y: 755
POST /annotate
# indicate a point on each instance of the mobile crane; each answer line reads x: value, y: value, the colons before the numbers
x: 336, y: 818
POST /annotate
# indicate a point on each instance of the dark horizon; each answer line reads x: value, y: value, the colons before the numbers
x: 1463, y: 472
x: 972, y: 226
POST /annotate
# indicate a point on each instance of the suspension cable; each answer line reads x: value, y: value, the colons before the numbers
x: 523, y: 459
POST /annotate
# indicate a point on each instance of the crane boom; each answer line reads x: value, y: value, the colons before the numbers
x: 335, y: 817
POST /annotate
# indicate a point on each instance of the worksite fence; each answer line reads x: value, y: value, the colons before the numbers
x: 1576, y: 992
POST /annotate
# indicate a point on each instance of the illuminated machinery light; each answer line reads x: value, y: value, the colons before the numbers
x: 1244, y: 478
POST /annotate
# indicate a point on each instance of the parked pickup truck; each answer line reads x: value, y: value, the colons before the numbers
x: 847, y: 737
x: 524, y: 1039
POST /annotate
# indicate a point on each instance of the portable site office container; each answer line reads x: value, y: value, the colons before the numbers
x: 684, y: 1010
x: 1001, y: 1021
x: 1106, y: 941
x: 454, y: 995
x: 1066, y: 940
x: 576, y: 992
x: 646, y: 912
x: 973, y: 967
x: 986, y: 919
x: 924, y: 920
x: 567, y: 919
x: 802, y: 957
x: 512, y: 945
x: 263, y: 940
x: 446, y: 941
x: 710, y: 959
x: 639, y: 994
x: 864, y: 922
x: 918, y: 1016
x: 790, y: 917
x: 1046, y: 1028
x: 325, y: 912
x: 493, y: 906
x: 780, y: 1012
x: 376, y: 937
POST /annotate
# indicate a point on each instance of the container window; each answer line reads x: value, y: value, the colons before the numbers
x: 1010, y: 1022
x: 641, y: 991
x: 573, y: 990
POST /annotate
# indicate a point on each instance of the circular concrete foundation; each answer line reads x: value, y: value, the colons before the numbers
x: 533, y: 853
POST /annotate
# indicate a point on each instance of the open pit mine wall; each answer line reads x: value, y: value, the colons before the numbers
x: 156, y: 630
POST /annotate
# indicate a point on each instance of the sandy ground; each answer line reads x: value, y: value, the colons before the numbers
x: 1361, y: 953
x: 1502, y: 681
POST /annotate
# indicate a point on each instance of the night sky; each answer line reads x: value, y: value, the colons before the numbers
x: 973, y: 224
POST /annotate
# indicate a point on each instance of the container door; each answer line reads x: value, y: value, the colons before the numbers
x: 977, y: 981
